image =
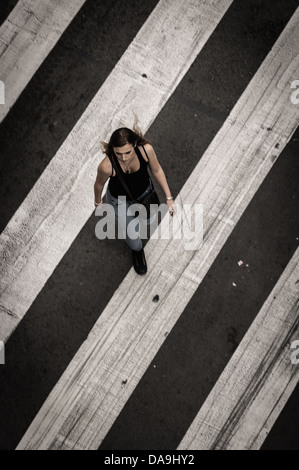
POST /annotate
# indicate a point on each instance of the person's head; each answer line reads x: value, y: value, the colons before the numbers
x: 123, y: 141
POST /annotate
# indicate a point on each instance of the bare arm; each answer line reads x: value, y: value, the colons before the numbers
x: 103, y: 174
x: 157, y: 171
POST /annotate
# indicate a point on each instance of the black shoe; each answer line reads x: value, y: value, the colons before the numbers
x: 139, y: 262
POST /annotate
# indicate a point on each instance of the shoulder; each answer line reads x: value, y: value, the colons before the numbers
x: 152, y: 159
x: 105, y: 167
x: 149, y: 151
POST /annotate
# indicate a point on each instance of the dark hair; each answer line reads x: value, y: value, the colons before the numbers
x: 124, y: 136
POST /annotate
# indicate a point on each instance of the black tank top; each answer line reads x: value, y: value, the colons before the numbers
x: 137, y: 181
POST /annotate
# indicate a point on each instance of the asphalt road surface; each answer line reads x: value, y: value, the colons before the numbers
x: 194, y: 354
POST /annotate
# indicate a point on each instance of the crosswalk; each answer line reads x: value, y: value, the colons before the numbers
x: 60, y: 190
x: 27, y: 36
x: 103, y: 375
x: 258, y: 380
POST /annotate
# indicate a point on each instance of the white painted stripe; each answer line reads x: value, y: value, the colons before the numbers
x: 87, y: 399
x: 61, y: 202
x: 258, y: 380
x: 26, y: 38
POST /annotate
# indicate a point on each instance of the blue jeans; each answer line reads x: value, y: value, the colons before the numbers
x: 124, y: 218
